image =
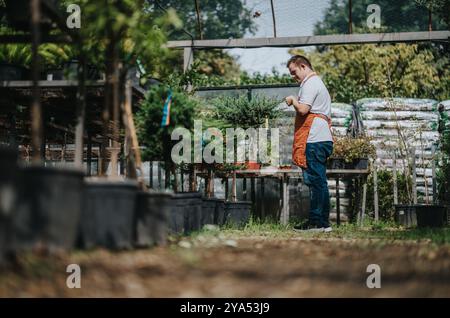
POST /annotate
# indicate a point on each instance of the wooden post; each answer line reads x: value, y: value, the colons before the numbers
x: 375, y: 190
x: 36, y: 108
x: 350, y: 28
x: 81, y: 110
x: 150, y: 174
x: 193, y: 179
x: 285, y: 210
x: 394, y: 178
x: 338, y: 203
x: 233, y: 188
x: 115, y: 150
x: 263, y: 214
x: 244, y: 188
x: 414, y: 174
x: 199, y: 21
x: 89, y: 154
x: 159, y: 175
x: 226, y: 189
x: 433, y: 173
x: 363, y: 210
x: 430, y: 21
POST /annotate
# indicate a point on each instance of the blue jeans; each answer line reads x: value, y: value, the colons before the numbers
x: 316, y: 179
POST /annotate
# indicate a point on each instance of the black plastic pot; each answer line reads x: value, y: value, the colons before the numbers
x: 339, y: 163
x: 152, y: 218
x: 219, y: 213
x: 421, y: 215
x: 49, y: 208
x: 405, y: 215
x: 186, y: 212
x: 208, y: 210
x: 11, y: 72
x: 108, y: 213
x: 8, y: 196
x: 238, y: 213
x: 431, y: 215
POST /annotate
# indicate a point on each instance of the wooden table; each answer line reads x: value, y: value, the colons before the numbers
x: 285, y: 174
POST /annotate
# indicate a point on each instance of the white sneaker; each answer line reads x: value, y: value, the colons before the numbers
x: 327, y: 229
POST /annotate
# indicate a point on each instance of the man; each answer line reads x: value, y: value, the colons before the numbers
x: 313, y: 141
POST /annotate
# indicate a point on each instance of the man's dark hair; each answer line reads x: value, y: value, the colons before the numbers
x: 299, y: 59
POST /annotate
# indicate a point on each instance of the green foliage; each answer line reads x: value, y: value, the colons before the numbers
x: 50, y: 54
x: 443, y: 172
x: 220, y: 19
x: 130, y: 26
x: 396, y: 16
x: 350, y: 148
x: 152, y: 136
x: 244, y: 113
x: 401, y: 70
x: 385, y: 187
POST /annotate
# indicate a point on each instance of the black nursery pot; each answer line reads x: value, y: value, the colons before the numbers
x: 152, y: 218
x: 108, y: 213
x: 49, y: 208
x: 238, y: 213
x: 209, y: 207
x: 219, y: 213
x: 431, y: 215
x: 186, y: 212
x: 405, y: 215
x: 8, y: 196
x: 421, y: 215
x: 11, y: 72
x: 339, y: 163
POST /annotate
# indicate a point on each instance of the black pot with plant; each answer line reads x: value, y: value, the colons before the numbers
x: 351, y: 153
x: 108, y: 213
x: 152, y: 218
x: 9, y: 173
x: 49, y: 208
x: 186, y: 212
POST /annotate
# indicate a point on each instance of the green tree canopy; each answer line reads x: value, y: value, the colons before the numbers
x: 396, y: 16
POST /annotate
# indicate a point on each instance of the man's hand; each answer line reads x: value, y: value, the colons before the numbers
x: 302, y: 109
x: 290, y: 100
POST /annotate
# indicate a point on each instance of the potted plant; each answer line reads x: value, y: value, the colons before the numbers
x: 412, y: 212
x: 351, y: 153
x: 185, y: 215
x: 244, y: 112
x: 8, y: 195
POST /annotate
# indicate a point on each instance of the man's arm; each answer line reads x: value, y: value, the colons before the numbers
x: 301, y: 108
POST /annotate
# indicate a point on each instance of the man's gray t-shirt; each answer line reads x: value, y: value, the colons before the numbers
x: 314, y: 93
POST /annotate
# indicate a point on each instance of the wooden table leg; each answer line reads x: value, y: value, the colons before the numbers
x: 338, y: 208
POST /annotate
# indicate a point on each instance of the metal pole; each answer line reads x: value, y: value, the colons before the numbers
x: 273, y: 19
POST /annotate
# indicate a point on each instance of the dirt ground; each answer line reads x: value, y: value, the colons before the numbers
x: 249, y: 266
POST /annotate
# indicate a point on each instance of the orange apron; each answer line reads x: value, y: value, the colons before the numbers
x: 302, y: 127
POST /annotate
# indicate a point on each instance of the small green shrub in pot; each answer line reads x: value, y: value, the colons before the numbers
x: 349, y: 151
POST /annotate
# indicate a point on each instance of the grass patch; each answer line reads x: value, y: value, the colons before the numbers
x: 386, y: 231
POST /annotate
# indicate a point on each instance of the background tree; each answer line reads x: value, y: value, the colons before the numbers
x: 396, y: 16
x: 351, y: 72
x: 219, y: 20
